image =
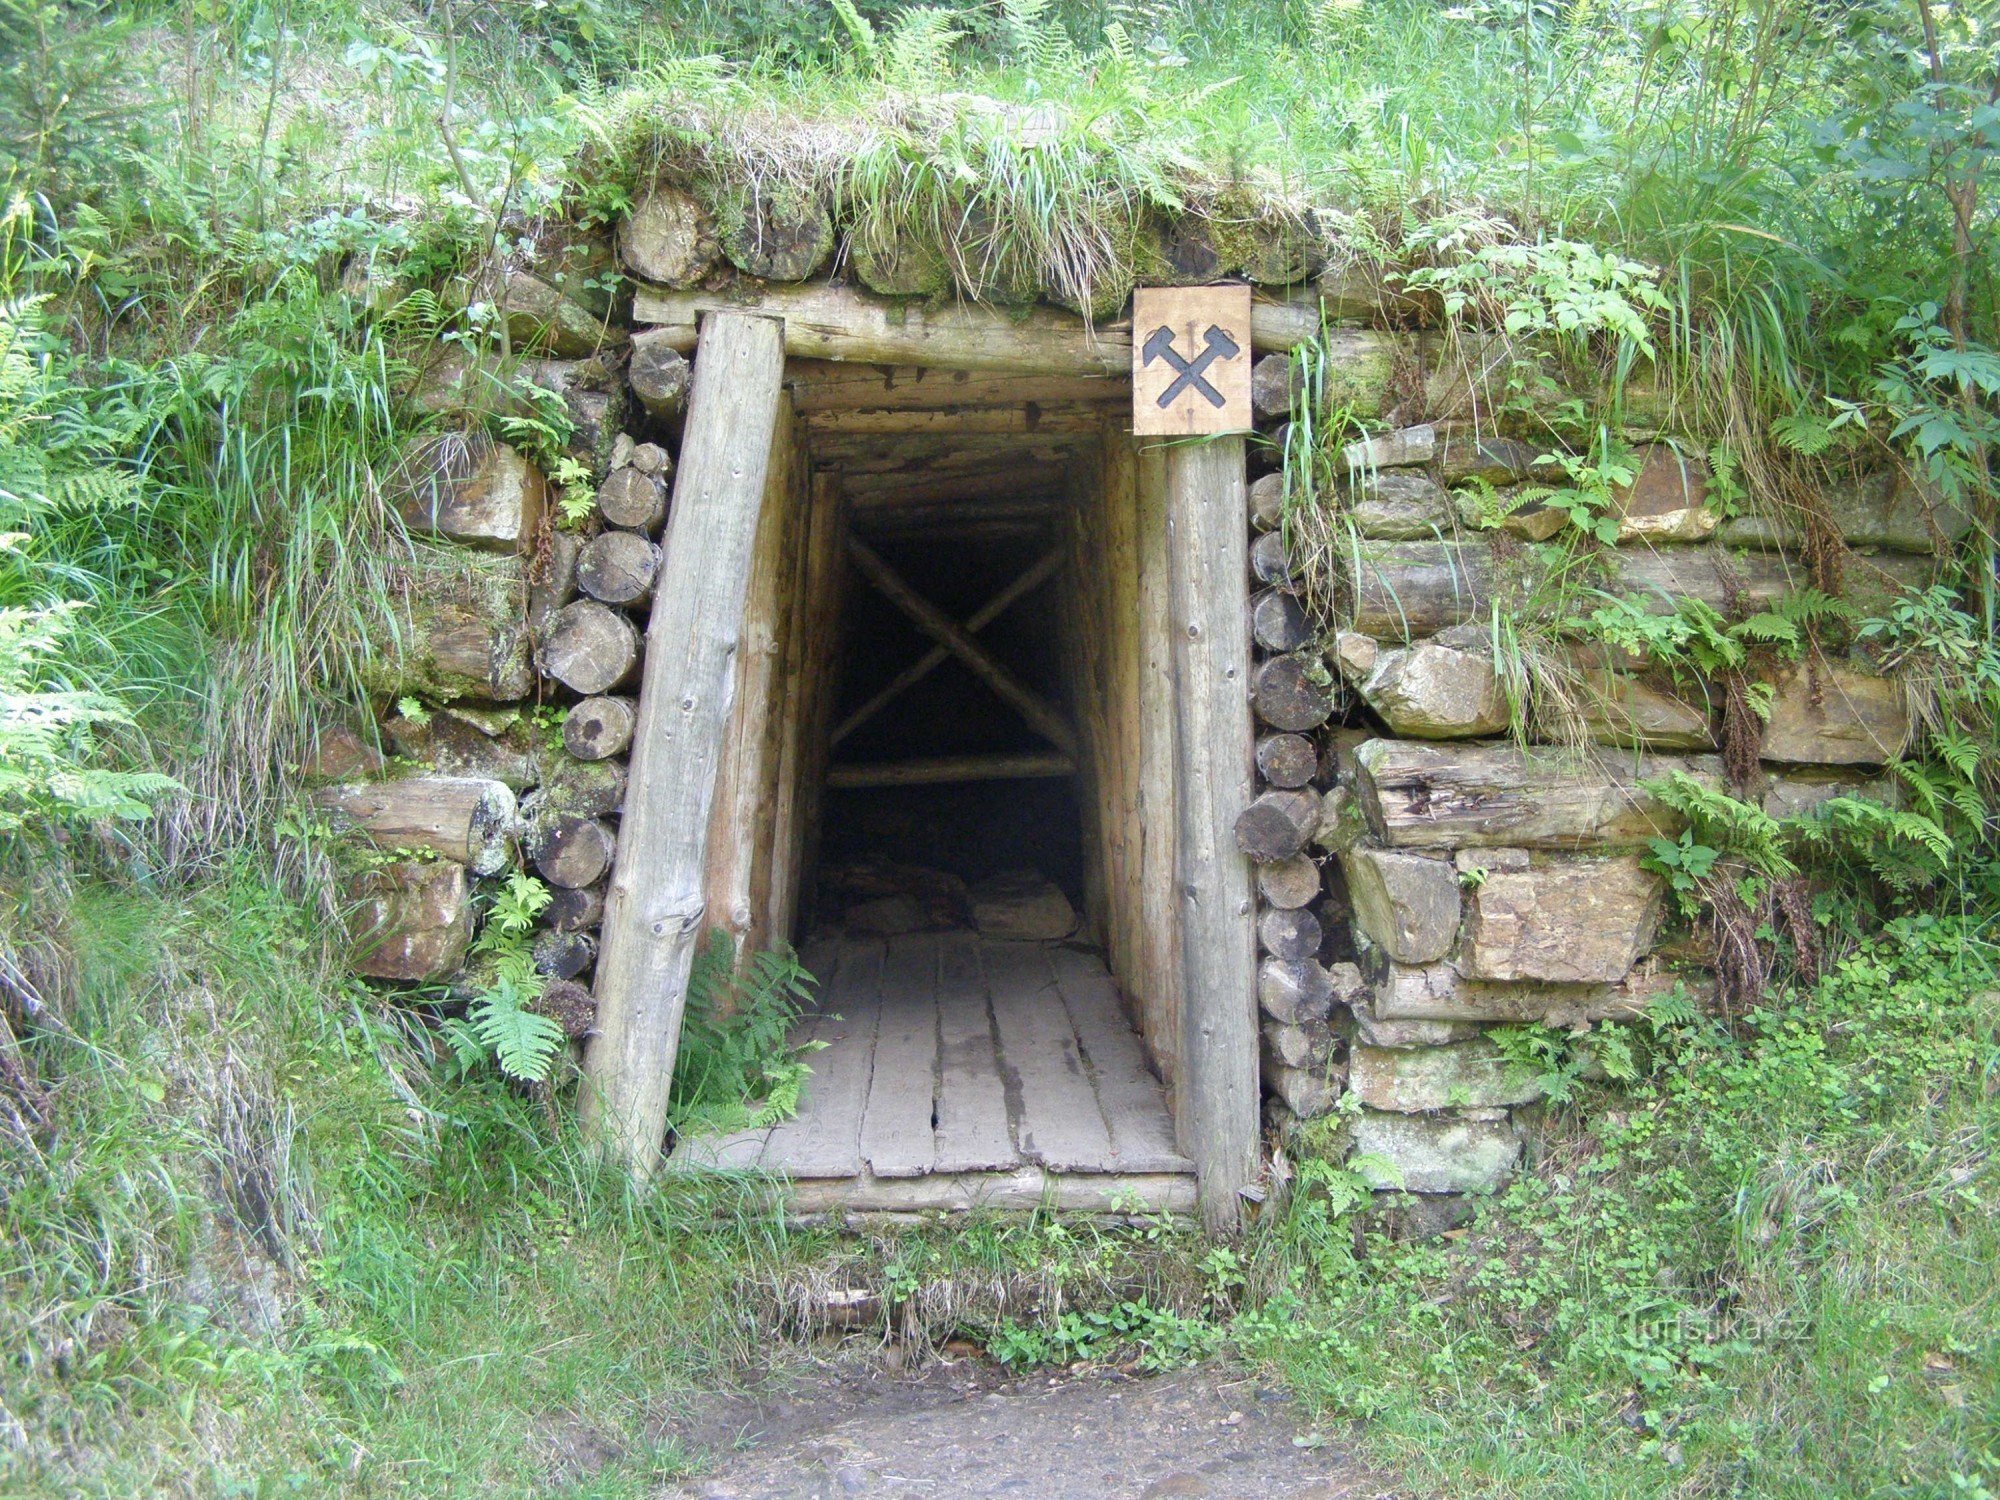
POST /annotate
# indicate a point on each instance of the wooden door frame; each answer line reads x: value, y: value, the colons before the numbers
x: 1191, y: 598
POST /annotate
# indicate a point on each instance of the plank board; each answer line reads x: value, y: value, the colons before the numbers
x: 896, y: 1125
x: 824, y: 1138
x: 1057, y: 1119
x: 1135, y: 1110
x: 972, y: 1129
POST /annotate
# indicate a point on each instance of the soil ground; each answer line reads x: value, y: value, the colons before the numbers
x: 966, y: 1428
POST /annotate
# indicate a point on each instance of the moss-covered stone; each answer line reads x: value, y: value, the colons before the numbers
x: 777, y: 231
x: 456, y: 626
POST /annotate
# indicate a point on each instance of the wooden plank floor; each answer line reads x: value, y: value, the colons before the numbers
x: 960, y: 1071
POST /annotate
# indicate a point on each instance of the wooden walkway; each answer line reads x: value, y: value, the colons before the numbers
x: 961, y: 1072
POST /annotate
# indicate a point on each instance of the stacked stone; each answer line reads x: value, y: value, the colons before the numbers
x: 1486, y: 884
x: 501, y: 603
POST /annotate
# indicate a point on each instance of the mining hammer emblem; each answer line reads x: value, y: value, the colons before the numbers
x: 1216, y: 344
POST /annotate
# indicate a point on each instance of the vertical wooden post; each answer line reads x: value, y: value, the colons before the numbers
x: 741, y: 824
x: 654, y: 913
x: 1209, y: 597
x: 1158, y: 781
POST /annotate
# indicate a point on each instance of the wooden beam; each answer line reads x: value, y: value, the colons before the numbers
x: 840, y: 323
x: 937, y: 656
x: 935, y: 623
x: 654, y: 915
x: 1209, y: 597
x: 821, y: 386
x: 859, y: 458
x: 950, y: 768
x: 1158, y: 786
x: 1023, y: 421
x: 741, y: 827
x: 885, y: 489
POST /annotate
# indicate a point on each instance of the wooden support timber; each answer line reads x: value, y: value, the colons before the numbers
x: 1207, y: 592
x: 1024, y: 766
x: 654, y: 915
x: 839, y: 323
x: 937, y: 656
x: 1042, y: 718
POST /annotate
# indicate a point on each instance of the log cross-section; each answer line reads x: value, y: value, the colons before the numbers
x: 934, y: 622
x: 1207, y: 595
x: 654, y: 913
x: 937, y: 656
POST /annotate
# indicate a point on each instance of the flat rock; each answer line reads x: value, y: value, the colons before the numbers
x: 1425, y: 691
x: 1412, y: 1080
x: 1616, y: 708
x: 1837, y: 715
x: 1400, y: 505
x: 1884, y: 509
x: 1440, y: 796
x: 1406, y: 903
x: 465, y: 488
x: 1563, y: 921
x: 1022, y: 905
x: 408, y: 920
x: 885, y: 916
x: 1667, y: 500
x: 1439, y: 992
x: 1436, y: 1153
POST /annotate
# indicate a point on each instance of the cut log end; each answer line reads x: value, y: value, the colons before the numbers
x: 574, y: 852
x: 600, y: 727
x: 1287, y: 761
x: 618, y: 567
x: 633, y: 500
x: 590, y: 648
x: 1277, y: 825
x: 1291, y: 697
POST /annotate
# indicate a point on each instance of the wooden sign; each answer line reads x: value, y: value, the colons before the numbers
x: 1190, y: 360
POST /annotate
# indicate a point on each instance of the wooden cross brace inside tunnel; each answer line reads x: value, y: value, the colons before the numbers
x: 954, y: 639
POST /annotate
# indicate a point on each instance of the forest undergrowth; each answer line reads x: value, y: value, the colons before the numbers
x: 265, y: 1234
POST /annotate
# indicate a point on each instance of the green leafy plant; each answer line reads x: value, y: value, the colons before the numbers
x: 1684, y: 862
x: 499, y: 1025
x: 50, y: 736
x: 737, y: 1065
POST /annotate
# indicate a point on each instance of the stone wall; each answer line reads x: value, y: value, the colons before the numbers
x: 1421, y: 877
x: 1424, y: 874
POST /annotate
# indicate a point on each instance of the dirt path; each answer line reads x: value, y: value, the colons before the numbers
x: 965, y: 1430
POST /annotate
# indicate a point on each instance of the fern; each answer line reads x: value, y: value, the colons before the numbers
x: 860, y: 31
x: 917, y: 54
x: 1805, y: 433
x: 737, y: 1066
x: 524, y: 1044
x: 1726, y: 824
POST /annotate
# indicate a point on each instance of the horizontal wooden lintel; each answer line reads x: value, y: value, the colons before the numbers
x: 951, y: 768
x: 840, y: 323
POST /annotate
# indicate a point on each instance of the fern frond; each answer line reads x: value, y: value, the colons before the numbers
x: 524, y: 1044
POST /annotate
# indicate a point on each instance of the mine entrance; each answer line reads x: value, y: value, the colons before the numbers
x: 970, y: 874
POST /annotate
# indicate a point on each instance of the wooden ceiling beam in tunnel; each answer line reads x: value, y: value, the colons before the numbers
x: 857, y: 456
x: 1015, y: 511
x: 877, y: 492
x: 827, y: 388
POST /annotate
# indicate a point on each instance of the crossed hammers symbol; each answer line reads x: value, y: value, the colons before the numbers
x: 1218, y: 345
